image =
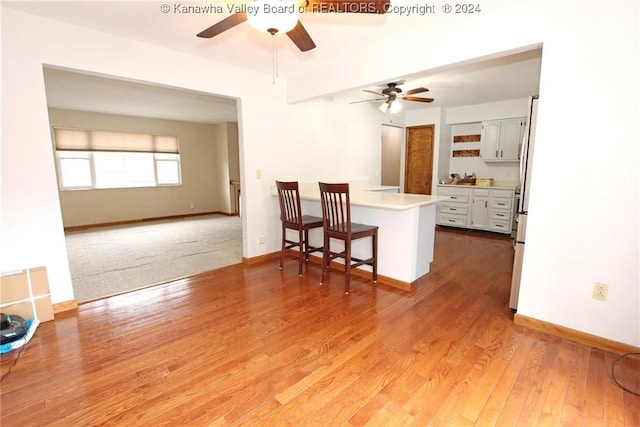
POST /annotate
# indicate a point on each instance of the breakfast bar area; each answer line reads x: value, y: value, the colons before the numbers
x: 406, y: 229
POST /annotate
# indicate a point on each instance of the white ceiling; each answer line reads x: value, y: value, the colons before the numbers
x: 512, y: 77
x: 84, y: 92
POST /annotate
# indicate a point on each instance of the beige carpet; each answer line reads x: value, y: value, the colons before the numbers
x: 111, y: 260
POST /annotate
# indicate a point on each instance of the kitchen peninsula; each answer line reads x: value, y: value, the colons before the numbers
x: 406, y: 229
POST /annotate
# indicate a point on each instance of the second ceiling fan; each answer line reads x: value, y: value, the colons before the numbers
x: 282, y: 16
x: 392, y: 94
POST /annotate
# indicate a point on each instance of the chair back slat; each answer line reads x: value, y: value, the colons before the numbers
x: 289, y: 198
x: 336, y: 209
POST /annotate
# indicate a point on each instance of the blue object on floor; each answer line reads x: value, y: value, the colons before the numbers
x: 32, y: 325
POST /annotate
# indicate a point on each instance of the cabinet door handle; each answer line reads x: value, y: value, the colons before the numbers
x: 453, y: 209
x: 485, y: 204
x: 453, y: 197
x: 500, y: 153
x: 496, y: 153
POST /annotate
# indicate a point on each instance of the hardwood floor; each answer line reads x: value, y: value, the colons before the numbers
x: 253, y: 345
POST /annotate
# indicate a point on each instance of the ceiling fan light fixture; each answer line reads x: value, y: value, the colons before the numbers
x: 393, y: 107
x: 274, y: 16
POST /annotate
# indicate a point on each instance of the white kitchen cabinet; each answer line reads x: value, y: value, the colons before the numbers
x: 501, y: 140
x: 501, y: 210
x: 480, y: 209
x: 476, y: 208
x: 454, y: 211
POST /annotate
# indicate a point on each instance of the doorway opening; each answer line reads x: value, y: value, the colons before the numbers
x: 205, y: 127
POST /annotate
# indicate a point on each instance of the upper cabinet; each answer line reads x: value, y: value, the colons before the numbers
x: 501, y: 140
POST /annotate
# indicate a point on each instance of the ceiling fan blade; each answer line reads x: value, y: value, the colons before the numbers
x: 301, y: 38
x: 416, y: 90
x: 375, y: 93
x: 348, y: 6
x: 369, y: 100
x: 417, y: 98
x: 224, y: 25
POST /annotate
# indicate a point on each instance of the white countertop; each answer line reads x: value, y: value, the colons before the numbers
x: 372, y: 196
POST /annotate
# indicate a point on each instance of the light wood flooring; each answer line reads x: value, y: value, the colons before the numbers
x: 253, y: 345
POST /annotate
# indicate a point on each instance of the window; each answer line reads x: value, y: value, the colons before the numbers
x: 75, y: 169
x: 95, y: 159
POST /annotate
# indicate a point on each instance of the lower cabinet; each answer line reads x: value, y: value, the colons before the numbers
x: 501, y: 210
x: 480, y: 209
x: 454, y: 211
x: 476, y: 208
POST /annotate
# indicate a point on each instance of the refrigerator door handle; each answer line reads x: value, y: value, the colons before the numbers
x: 524, y: 156
x: 522, y: 171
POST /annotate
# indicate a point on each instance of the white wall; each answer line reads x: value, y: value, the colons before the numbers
x: 489, y: 111
x: 577, y: 234
x: 224, y: 149
x: 590, y: 231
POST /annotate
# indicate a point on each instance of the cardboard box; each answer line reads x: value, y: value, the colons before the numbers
x: 484, y: 182
x: 14, y: 287
x: 26, y: 294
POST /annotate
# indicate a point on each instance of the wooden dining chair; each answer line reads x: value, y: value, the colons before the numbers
x: 336, y: 221
x: 292, y: 219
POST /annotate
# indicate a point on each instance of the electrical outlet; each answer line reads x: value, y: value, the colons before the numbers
x: 261, y: 240
x: 600, y: 291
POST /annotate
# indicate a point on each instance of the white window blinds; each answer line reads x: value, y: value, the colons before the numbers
x: 90, y: 140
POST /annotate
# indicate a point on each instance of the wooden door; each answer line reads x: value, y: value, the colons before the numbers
x: 418, y: 169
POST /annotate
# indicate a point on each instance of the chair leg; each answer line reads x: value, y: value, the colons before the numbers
x: 300, y: 251
x: 375, y: 256
x: 284, y: 231
x: 325, y: 256
x: 347, y: 266
x: 306, y: 244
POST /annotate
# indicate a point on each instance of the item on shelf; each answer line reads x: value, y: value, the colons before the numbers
x: 467, y: 181
x: 484, y: 182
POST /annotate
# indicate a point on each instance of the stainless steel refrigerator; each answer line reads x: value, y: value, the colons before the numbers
x: 526, y: 160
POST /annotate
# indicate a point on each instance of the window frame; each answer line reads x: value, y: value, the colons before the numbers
x: 155, y: 157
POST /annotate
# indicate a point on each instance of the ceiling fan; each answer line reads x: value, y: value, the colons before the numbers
x: 392, y: 94
x: 260, y: 14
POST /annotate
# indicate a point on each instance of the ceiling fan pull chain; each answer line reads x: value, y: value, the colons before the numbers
x: 273, y: 60
x: 277, y: 65
x: 274, y: 49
